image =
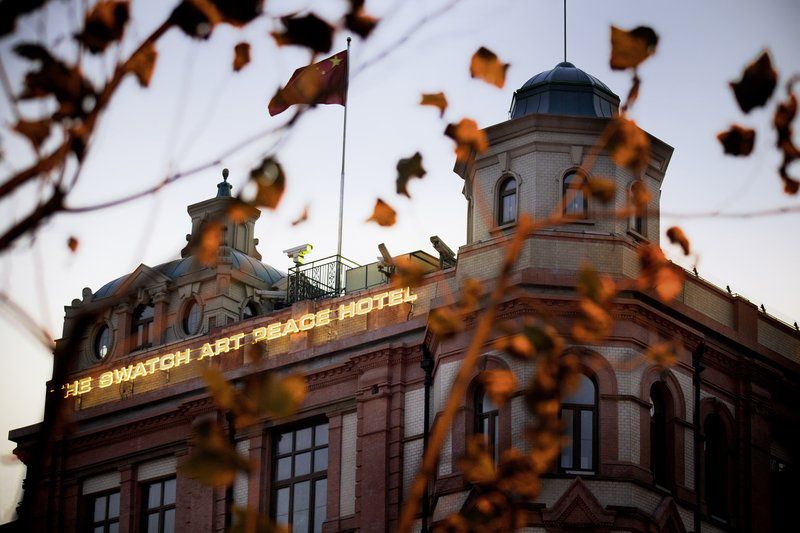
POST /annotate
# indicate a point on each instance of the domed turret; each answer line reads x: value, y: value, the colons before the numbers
x: 564, y: 90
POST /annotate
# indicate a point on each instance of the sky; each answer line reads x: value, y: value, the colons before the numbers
x: 196, y: 108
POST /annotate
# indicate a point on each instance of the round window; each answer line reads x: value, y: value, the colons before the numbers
x: 191, y: 318
x: 102, y: 342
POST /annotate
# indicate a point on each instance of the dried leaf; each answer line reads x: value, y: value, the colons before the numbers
x: 628, y: 145
x: 208, y: 243
x: 10, y: 11
x: 143, y: 64
x: 603, y: 189
x: 271, y: 182
x: 499, y: 385
x: 676, y: 236
x: 757, y: 83
x: 408, y: 168
x: 485, y: 65
x: 277, y: 396
x: 518, y: 346
x: 468, y: 138
x: 237, y: 13
x: 444, y: 322
x: 196, y: 18
x: 630, y: 48
x: 659, y: 274
x: 37, y: 131
x: 737, y: 140
x: 302, y: 218
x: 213, y: 460
x: 309, y: 31
x: 785, y: 113
x: 436, y: 100
x: 596, y: 287
x: 222, y: 392
x: 383, y: 214
x: 357, y: 20
x: 471, y: 292
x: 241, y: 56
x: 518, y: 474
x: 477, y: 464
x: 72, y: 244
x: 640, y: 196
x: 104, y: 24
x: 407, y: 273
x: 664, y: 354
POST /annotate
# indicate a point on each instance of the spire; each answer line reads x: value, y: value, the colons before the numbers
x: 223, y: 187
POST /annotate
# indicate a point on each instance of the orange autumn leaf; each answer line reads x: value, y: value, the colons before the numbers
x: 270, y: 181
x: 302, y: 218
x: 664, y: 354
x: 630, y: 48
x: 628, y: 145
x: 407, y: 273
x: 677, y: 236
x: 383, y: 214
x: 37, y: 131
x: 143, y: 63
x: 518, y: 346
x: 659, y: 274
x: 640, y: 196
x: 486, y: 66
x: 757, y: 83
x: 603, y: 189
x: 241, y: 56
x: 72, y: 244
x: 408, y: 168
x: 445, y: 323
x: 104, y: 24
x: 309, y: 31
x: 499, y: 385
x: 477, y: 464
x: 737, y: 140
x: 436, y: 100
x: 468, y: 138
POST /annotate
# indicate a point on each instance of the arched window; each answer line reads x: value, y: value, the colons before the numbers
x: 579, y: 416
x: 191, y: 317
x: 661, y: 435
x: 639, y: 217
x: 142, y: 326
x: 716, y: 467
x: 102, y: 342
x: 486, y: 422
x: 575, y: 205
x: 507, y: 202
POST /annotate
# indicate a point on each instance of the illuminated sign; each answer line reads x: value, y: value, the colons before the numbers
x: 272, y: 331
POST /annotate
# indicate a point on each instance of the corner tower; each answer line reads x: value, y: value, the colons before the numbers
x: 533, y: 166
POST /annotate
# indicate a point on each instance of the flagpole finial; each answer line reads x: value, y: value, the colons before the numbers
x: 348, y: 41
x: 225, y: 174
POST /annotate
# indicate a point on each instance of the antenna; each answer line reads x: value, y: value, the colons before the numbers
x: 565, y: 31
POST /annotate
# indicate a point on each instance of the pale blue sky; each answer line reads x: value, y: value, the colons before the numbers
x: 196, y: 107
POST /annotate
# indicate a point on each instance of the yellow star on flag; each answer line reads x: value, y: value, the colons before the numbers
x: 335, y: 61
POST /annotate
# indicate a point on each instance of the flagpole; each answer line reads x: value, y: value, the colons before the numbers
x: 341, y: 181
x: 344, y: 139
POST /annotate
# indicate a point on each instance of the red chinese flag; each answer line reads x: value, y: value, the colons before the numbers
x: 321, y: 83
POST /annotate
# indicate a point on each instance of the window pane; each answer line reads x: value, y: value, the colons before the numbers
x: 113, y: 505
x: 152, y: 523
x: 282, y: 503
x: 285, y: 443
x: 321, y: 460
x: 99, y: 508
x: 320, y: 503
x: 321, y: 435
x: 486, y: 405
x: 566, y: 450
x: 284, y: 468
x: 302, y: 464
x: 509, y: 185
x: 587, y: 422
x: 99, y: 529
x: 169, y: 521
x: 169, y: 492
x: 584, y: 393
x: 300, y: 521
x: 301, y: 507
x: 303, y: 439
x: 154, y: 496
x: 113, y: 528
x: 509, y: 208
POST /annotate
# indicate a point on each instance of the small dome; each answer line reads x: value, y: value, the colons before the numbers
x: 564, y: 90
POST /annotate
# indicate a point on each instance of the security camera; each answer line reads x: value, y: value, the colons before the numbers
x: 297, y: 253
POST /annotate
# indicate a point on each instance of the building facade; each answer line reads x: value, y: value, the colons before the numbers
x: 712, y: 440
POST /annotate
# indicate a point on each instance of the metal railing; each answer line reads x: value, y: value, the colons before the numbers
x: 324, y: 278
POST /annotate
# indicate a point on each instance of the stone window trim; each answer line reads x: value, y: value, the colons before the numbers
x: 111, y: 514
x: 180, y: 331
x: 93, y: 333
x: 497, y: 201
x: 161, y: 508
x: 582, y: 407
x: 585, y: 218
x: 708, y: 407
x: 677, y: 420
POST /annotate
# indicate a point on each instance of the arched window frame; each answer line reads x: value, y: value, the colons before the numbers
x: 573, y: 450
x: 712, y: 407
x: 143, y: 326
x: 568, y: 185
x: 93, y: 338
x: 487, y: 421
x: 637, y: 222
x: 465, y: 423
x: 502, y: 194
x: 662, y: 436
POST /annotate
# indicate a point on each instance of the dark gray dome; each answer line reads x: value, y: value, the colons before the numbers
x: 564, y: 90
x: 181, y: 267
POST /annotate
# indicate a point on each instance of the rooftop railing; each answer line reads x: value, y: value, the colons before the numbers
x: 323, y: 278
